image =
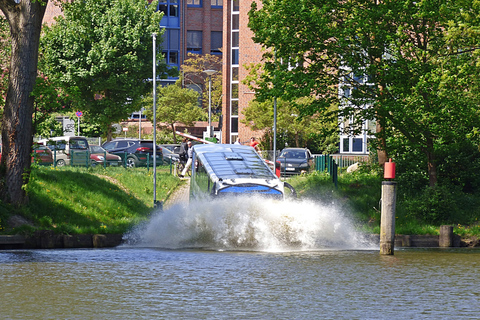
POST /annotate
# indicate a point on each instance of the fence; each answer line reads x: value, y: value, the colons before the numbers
x: 331, y: 163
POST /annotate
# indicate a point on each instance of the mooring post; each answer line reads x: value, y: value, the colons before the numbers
x: 387, y: 222
x: 446, y: 236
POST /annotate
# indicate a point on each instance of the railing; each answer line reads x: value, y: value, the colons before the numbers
x: 328, y: 163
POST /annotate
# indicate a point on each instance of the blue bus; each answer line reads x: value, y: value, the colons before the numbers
x: 229, y: 169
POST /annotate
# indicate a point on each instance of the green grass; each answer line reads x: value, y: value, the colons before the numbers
x: 358, y: 194
x: 96, y: 200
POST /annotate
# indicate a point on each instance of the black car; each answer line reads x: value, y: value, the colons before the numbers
x: 134, y: 152
x: 168, y: 154
x: 295, y: 161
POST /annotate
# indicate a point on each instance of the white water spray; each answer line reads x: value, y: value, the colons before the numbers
x: 251, y: 223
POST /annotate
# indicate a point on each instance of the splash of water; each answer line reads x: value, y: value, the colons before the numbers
x: 249, y: 224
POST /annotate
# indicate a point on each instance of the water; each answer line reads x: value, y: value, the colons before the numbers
x: 250, y: 224
x: 192, y: 264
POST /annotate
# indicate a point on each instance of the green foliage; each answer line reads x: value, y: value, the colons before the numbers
x: 100, y: 53
x: 417, y: 212
x: 414, y: 64
x: 292, y: 129
x: 195, y: 78
x: 175, y: 105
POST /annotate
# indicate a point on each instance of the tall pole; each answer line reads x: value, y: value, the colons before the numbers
x: 274, y: 133
x: 210, y: 105
x: 275, y: 122
x: 140, y: 125
x: 154, y: 35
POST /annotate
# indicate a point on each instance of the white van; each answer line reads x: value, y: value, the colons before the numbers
x: 66, y: 148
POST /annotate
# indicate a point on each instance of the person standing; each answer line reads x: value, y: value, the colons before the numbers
x: 237, y: 141
x: 182, y: 154
x: 189, y: 161
x: 254, y: 144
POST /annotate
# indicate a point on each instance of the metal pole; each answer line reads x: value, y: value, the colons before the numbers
x: 154, y: 35
x: 275, y: 123
x: 140, y: 125
x: 274, y: 133
x: 210, y: 105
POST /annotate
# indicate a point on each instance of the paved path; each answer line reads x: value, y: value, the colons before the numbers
x: 180, y: 195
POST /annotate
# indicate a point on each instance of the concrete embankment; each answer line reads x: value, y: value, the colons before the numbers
x: 49, y: 240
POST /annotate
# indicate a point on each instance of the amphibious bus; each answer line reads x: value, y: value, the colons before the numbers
x: 229, y: 169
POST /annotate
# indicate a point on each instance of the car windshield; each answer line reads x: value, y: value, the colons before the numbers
x: 96, y: 149
x: 78, y: 144
x: 292, y: 154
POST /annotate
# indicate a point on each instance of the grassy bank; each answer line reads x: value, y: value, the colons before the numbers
x: 95, y: 200
x: 359, y: 193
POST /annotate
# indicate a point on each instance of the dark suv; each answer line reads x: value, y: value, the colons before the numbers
x: 134, y: 152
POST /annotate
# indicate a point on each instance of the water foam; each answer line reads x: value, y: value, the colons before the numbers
x: 248, y: 224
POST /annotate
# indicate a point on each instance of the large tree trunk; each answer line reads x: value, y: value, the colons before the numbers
x: 25, y: 20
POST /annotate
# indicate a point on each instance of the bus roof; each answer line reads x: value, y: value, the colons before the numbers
x: 229, y: 161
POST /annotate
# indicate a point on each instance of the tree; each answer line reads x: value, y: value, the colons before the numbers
x: 100, y: 52
x: 195, y: 78
x: 25, y: 21
x: 5, y: 56
x: 175, y: 105
x: 301, y: 131
x: 411, y: 66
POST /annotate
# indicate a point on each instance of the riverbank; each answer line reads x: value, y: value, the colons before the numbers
x: 74, y: 208
x: 49, y: 240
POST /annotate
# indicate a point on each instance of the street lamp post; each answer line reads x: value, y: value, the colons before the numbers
x: 209, y: 73
x: 154, y: 35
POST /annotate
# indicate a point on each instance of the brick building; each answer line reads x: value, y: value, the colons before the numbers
x: 239, y: 50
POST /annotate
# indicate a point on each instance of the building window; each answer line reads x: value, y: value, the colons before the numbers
x: 234, y: 73
x: 194, y: 42
x: 235, y: 5
x: 168, y: 7
x: 235, y: 22
x: 171, y: 45
x: 357, y: 145
x: 235, y: 56
x: 217, y: 3
x: 216, y: 42
x: 194, y: 3
x: 234, y: 108
x: 234, y: 90
x: 234, y: 128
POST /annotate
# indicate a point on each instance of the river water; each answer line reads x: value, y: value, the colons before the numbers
x: 220, y: 262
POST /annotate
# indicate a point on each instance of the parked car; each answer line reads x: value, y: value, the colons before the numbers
x: 68, y: 148
x: 135, y: 152
x: 100, y: 156
x: 40, y: 154
x: 168, y: 154
x: 175, y: 148
x: 295, y: 161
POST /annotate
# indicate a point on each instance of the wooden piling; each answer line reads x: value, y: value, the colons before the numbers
x: 387, y: 223
x: 446, y: 236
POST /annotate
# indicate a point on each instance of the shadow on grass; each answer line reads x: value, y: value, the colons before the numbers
x: 75, y: 202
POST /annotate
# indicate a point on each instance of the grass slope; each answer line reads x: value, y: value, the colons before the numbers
x: 95, y: 200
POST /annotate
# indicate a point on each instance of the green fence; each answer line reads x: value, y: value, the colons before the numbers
x: 327, y: 163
